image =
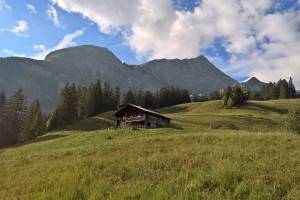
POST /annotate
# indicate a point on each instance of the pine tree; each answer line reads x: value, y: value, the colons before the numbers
x: 82, y: 105
x: 140, y: 98
x: 2, y: 99
x: 99, y: 104
x: 292, y: 89
x: 39, y: 120
x: 54, y: 121
x: 129, y: 97
x: 91, y: 104
x: 226, y: 95
x: 29, y: 126
x: 283, y: 89
x: 66, y: 110
x: 15, y: 115
x: 117, y: 97
x: 148, y: 100
x: 73, y: 102
x: 108, y: 103
x: 237, y: 96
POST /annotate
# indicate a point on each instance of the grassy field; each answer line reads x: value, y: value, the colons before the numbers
x: 208, y: 153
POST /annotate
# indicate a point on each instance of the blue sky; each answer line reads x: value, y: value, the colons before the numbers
x: 242, y: 37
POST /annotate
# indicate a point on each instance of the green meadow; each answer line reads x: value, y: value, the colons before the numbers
x: 207, y: 153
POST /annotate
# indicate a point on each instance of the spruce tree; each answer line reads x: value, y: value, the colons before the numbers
x: 283, y: 89
x: 292, y: 89
x: 108, y: 103
x: 99, y: 102
x: 73, y: 101
x: 2, y: 99
x: 91, y: 104
x: 226, y: 95
x: 148, y: 100
x: 15, y: 115
x: 117, y: 97
x: 54, y: 121
x: 39, y: 120
x: 82, y: 105
x: 129, y: 97
x: 29, y: 127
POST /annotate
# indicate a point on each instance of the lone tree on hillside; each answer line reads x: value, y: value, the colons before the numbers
x: 233, y: 96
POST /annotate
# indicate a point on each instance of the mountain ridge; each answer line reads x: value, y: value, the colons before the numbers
x: 85, y: 64
x: 253, y: 83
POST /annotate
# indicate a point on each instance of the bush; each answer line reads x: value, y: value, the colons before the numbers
x: 293, y: 120
x: 234, y: 96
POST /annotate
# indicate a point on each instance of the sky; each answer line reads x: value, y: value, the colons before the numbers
x: 243, y: 38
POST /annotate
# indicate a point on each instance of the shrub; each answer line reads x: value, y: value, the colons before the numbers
x: 293, y: 120
x: 233, y: 96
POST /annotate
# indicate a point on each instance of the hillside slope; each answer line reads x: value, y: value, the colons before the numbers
x: 86, y: 64
x: 189, y: 160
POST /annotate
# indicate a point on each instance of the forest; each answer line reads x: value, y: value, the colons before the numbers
x: 20, y: 123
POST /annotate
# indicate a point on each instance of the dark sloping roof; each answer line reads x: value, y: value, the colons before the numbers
x: 139, y: 108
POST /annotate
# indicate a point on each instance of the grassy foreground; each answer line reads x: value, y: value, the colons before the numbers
x: 210, y: 153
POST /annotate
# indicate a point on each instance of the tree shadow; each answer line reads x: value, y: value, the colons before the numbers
x: 175, y: 126
x: 254, y: 106
x: 43, y: 139
x: 173, y: 109
x: 39, y: 139
x: 91, y: 124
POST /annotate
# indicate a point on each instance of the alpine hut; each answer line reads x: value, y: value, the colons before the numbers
x: 130, y: 115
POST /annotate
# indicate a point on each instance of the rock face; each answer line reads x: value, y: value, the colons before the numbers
x: 85, y: 64
x: 253, y: 84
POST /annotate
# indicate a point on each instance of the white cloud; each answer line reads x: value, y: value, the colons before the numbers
x: 53, y: 15
x: 39, y: 47
x: 20, y: 29
x: 4, y: 6
x: 259, y: 43
x: 31, y: 8
x: 67, y: 41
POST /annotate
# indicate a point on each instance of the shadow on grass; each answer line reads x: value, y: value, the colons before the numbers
x: 254, y: 106
x: 91, y: 124
x: 39, y: 139
x: 175, y: 126
x: 173, y: 109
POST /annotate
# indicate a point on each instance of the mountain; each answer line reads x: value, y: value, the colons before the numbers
x: 253, y: 84
x: 82, y: 65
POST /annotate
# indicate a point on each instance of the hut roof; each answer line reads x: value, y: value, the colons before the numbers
x: 145, y: 110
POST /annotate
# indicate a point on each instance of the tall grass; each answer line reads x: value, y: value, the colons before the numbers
x: 189, y: 161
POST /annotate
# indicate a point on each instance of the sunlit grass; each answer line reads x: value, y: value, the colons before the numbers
x: 238, y: 158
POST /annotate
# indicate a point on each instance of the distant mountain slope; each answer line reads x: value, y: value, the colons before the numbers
x: 85, y: 64
x: 253, y: 84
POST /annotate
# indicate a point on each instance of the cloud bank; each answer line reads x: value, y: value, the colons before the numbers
x: 259, y: 39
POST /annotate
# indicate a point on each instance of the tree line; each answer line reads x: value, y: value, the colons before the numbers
x: 164, y: 97
x: 77, y: 102
x: 281, y: 90
x: 19, y: 123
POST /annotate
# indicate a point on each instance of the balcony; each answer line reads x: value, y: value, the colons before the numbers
x: 134, y: 118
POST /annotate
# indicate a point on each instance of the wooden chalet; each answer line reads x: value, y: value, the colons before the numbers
x: 130, y: 115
